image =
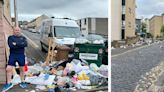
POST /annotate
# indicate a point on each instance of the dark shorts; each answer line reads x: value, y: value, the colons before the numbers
x: 13, y: 58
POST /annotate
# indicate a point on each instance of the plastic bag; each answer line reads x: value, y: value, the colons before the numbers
x: 40, y: 80
x: 104, y: 70
x: 94, y: 67
x: 16, y: 79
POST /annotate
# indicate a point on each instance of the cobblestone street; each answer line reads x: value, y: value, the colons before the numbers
x: 128, y: 68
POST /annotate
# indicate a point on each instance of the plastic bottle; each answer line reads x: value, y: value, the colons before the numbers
x: 51, y: 90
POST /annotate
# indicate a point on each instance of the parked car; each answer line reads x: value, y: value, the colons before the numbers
x: 32, y: 30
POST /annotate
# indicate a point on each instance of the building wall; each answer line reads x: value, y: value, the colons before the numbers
x: 7, y: 11
x: 5, y: 31
x: 84, y: 25
x: 94, y: 25
x: 36, y: 23
x: 101, y: 26
x: 155, y: 25
x: 91, y: 24
x: 39, y: 21
x: 130, y: 18
x: 116, y: 13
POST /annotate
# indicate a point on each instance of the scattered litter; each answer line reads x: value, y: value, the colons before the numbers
x: 124, y: 47
x: 81, y: 40
x: 41, y: 87
x: 40, y: 80
x: 16, y: 79
x: 71, y: 75
x: 32, y: 91
x: 112, y: 48
x: 98, y: 42
x: 161, y: 46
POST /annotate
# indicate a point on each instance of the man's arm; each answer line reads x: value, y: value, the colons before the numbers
x: 23, y: 43
x: 11, y: 43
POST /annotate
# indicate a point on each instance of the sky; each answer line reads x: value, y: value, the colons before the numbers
x: 149, y: 8
x: 75, y: 9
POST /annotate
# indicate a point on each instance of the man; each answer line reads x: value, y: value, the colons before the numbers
x: 17, y: 44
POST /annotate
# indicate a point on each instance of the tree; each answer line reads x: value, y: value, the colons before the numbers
x: 162, y: 30
x: 143, y: 27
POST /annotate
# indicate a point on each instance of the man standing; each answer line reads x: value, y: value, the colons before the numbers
x: 17, y: 44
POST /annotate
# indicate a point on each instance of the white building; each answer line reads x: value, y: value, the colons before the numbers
x: 93, y: 25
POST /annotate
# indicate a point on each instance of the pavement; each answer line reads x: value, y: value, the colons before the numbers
x: 127, y: 68
x: 119, y: 51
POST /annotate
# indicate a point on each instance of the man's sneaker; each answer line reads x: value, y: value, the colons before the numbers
x: 7, y: 86
x: 23, y: 85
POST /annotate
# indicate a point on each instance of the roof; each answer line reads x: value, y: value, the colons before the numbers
x: 38, y: 17
x: 155, y: 16
x: 94, y: 17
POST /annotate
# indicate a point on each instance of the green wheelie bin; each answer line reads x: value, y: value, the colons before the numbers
x: 92, y: 53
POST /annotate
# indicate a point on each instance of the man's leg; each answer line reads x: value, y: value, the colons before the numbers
x: 22, y: 84
x: 22, y: 73
x: 9, y: 70
x: 21, y: 62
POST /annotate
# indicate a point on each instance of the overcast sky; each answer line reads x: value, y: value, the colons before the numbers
x: 148, y: 8
x: 28, y: 9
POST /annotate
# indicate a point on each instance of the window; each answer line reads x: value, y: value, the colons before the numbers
x: 123, y: 2
x: 123, y: 16
x: 85, y: 21
x: 46, y: 28
x: 70, y: 32
x: 123, y: 24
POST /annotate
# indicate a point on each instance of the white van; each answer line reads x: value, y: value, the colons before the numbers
x: 65, y: 31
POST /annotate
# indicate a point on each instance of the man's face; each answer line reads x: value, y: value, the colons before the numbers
x: 17, y: 31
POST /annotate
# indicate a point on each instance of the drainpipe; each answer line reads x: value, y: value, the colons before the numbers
x: 15, y: 13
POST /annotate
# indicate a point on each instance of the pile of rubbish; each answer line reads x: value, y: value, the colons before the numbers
x: 67, y: 75
x: 83, y: 40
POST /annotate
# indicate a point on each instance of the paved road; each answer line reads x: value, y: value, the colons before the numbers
x: 128, y: 68
x: 34, y: 49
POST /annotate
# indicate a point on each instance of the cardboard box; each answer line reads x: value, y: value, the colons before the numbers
x: 62, y: 53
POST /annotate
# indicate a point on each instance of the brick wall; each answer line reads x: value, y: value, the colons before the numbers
x: 5, y: 30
